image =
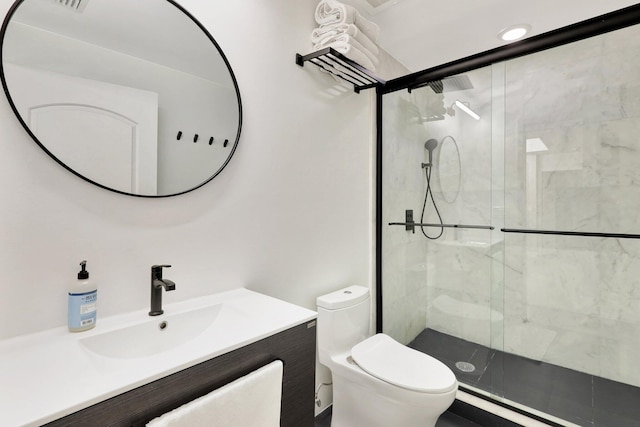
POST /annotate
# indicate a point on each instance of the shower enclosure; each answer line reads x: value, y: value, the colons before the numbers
x: 525, y: 275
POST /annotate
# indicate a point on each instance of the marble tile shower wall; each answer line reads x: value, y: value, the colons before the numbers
x: 575, y: 301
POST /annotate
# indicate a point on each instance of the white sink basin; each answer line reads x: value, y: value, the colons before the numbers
x: 159, y: 333
x: 128, y: 350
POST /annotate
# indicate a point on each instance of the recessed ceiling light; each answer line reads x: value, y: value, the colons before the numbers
x: 514, y: 32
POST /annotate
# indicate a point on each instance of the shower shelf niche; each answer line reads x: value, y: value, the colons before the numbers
x: 335, y: 63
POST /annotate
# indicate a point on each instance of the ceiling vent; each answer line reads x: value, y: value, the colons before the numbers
x: 77, y: 5
x: 451, y: 84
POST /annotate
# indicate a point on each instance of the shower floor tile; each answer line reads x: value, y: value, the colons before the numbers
x: 615, y: 404
x: 448, y: 419
x: 574, y: 396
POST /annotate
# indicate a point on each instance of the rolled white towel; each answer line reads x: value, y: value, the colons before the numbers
x: 334, y: 12
x: 346, y: 39
x: 324, y: 32
x: 352, y: 53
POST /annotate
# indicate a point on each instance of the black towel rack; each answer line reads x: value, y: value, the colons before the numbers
x: 410, y: 226
x: 332, y: 61
x: 571, y: 233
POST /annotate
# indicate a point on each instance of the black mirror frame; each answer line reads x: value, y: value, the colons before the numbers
x: 3, y: 30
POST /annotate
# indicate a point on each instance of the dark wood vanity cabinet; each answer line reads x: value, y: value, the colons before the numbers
x: 296, y: 347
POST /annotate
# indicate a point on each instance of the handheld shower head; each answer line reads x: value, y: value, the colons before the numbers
x: 431, y: 145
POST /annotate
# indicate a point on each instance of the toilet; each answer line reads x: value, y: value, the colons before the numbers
x: 376, y: 380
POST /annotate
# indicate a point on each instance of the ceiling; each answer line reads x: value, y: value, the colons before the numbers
x: 136, y: 28
x: 424, y: 33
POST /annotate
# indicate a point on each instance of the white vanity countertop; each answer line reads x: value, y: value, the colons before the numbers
x: 50, y: 374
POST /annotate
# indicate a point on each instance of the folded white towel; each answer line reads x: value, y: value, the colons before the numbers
x: 351, y: 52
x: 345, y: 39
x: 334, y: 12
x: 324, y: 32
x: 253, y: 400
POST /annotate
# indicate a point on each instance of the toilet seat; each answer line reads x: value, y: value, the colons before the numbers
x: 388, y: 360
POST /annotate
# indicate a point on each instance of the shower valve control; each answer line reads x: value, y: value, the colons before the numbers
x: 408, y: 219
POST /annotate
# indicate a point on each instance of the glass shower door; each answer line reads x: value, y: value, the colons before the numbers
x: 572, y: 293
x: 439, y: 293
x: 542, y: 311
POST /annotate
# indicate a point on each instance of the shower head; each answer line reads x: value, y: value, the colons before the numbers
x: 431, y: 145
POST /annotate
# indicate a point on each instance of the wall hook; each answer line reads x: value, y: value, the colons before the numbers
x: 226, y: 141
x: 210, y: 140
x: 179, y: 135
x: 195, y: 138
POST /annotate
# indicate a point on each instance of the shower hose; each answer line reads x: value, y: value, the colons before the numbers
x: 429, y: 194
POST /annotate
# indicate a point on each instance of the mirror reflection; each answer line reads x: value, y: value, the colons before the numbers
x: 132, y: 95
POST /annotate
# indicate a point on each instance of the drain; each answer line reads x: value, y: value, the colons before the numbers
x: 465, y: 366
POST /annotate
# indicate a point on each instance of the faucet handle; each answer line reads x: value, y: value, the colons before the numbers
x: 156, y: 271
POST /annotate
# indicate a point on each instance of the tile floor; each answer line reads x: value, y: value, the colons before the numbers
x: 574, y: 396
x: 448, y: 419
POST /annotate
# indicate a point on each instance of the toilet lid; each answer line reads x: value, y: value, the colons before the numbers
x: 386, y: 359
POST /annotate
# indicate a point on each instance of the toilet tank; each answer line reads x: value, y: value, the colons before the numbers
x: 343, y: 320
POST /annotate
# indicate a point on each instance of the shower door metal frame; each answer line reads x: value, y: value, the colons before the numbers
x: 582, y: 30
x: 616, y: 20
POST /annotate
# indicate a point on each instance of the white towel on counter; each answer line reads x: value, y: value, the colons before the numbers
x: 325, y: 32
x: 334, y: 12
x: 251, y: 401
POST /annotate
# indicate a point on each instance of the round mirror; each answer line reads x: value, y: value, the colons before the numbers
x: 134, y: 96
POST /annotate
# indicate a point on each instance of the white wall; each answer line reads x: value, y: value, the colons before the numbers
x: 290, y: 216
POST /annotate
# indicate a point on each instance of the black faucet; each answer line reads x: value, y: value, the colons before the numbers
x: 157, y: 283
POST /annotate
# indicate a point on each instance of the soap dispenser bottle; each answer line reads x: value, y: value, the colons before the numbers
x: 83, y: 299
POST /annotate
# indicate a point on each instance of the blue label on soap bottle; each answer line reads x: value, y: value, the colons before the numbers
x: 82, y: 309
